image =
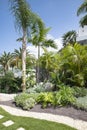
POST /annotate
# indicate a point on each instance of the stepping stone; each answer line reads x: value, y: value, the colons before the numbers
x: 1, y: 116
x: 8, y: 123
x: 20, y: 128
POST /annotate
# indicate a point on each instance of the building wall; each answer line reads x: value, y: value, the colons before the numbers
x: 82, y: 34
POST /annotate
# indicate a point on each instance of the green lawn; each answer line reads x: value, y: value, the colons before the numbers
x: 30, y: 123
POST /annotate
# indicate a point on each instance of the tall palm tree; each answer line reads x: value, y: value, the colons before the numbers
x: 5, y: 61
x: 39, y: 39
x: 82, y: 10
x: 23, y: 21
x: 69, y: 38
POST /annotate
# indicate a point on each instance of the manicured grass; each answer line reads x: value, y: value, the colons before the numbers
x: 30, y: 123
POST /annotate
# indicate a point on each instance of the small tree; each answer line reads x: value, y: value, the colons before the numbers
x: 69, y: 38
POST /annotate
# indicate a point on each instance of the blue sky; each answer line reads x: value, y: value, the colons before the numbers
x: 60, y: 15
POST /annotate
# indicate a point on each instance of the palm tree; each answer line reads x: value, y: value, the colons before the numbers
x: 17, y: 57
x: 23, y: 21
x: 69, y: 38
x: 82, y: 10
x: 38, y: 39
x: 5, y: 61
x: 47, y: 63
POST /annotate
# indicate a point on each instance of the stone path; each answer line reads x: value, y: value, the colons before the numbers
x: 78, y: 124
x: 75, y: 123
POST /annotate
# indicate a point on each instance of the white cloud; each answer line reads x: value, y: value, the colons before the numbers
x: 34, y: 50
x: 49, y: 36
x: 59, y: 43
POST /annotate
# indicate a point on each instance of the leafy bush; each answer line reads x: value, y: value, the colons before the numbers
x: 81, y: 103
x: 25, y: 101
x: 29, y: 103
x: 45, y: 99
x: 10, y: 84
x: 65, y: 96
x: 80, y: 91
x: 20, y: 99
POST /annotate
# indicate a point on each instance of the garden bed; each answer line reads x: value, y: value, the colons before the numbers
x: 65, y: 111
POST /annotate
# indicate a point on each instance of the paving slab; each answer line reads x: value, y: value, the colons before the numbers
x: 1, y: 116
x: 8, y: 123
x: 76, y: 123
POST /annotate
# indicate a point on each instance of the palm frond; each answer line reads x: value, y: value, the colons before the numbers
x: 83, y: 21
x: 82, y: 8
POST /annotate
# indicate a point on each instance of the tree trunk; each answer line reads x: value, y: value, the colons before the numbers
x: 24, y: 60
x: 38, y: 66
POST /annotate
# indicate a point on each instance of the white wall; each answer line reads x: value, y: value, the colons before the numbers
x: 82, y: 33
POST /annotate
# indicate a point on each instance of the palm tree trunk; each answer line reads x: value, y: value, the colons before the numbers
x: 24, y: 61
x: 38, y: 66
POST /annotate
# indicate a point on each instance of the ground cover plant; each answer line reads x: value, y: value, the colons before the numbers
x: 81, y: 103
x: 30, y: 123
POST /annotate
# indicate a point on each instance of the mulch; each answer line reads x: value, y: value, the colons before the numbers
x: 64, y: 111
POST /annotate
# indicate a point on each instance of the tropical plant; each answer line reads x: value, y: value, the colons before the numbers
x: 45, y: 99
x: 17, y: 57
x: 47, y: 64
x: 79, y: 91
x: 73, y: 65
x: 69, y: 38
x: 39, y: 39
x: 30, y: 62
x: 65, y: 96
x: 82, y: 10
x: 10, y: 84
x: 5, y: 60
x: 24, y: 19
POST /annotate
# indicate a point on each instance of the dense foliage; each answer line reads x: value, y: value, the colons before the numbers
x: 9, y: 83
x: 68, y: 66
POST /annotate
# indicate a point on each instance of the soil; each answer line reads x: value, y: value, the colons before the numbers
x: 65, y: 111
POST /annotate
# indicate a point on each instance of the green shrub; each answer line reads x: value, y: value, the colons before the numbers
x: 81, y: 103
x: 45, y: 99
x: 20, y: 99
x: 10, y: 84
x: 26, y: 101
x: 65, y: 96
x: 80, y: 91
x: 29, y: 103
